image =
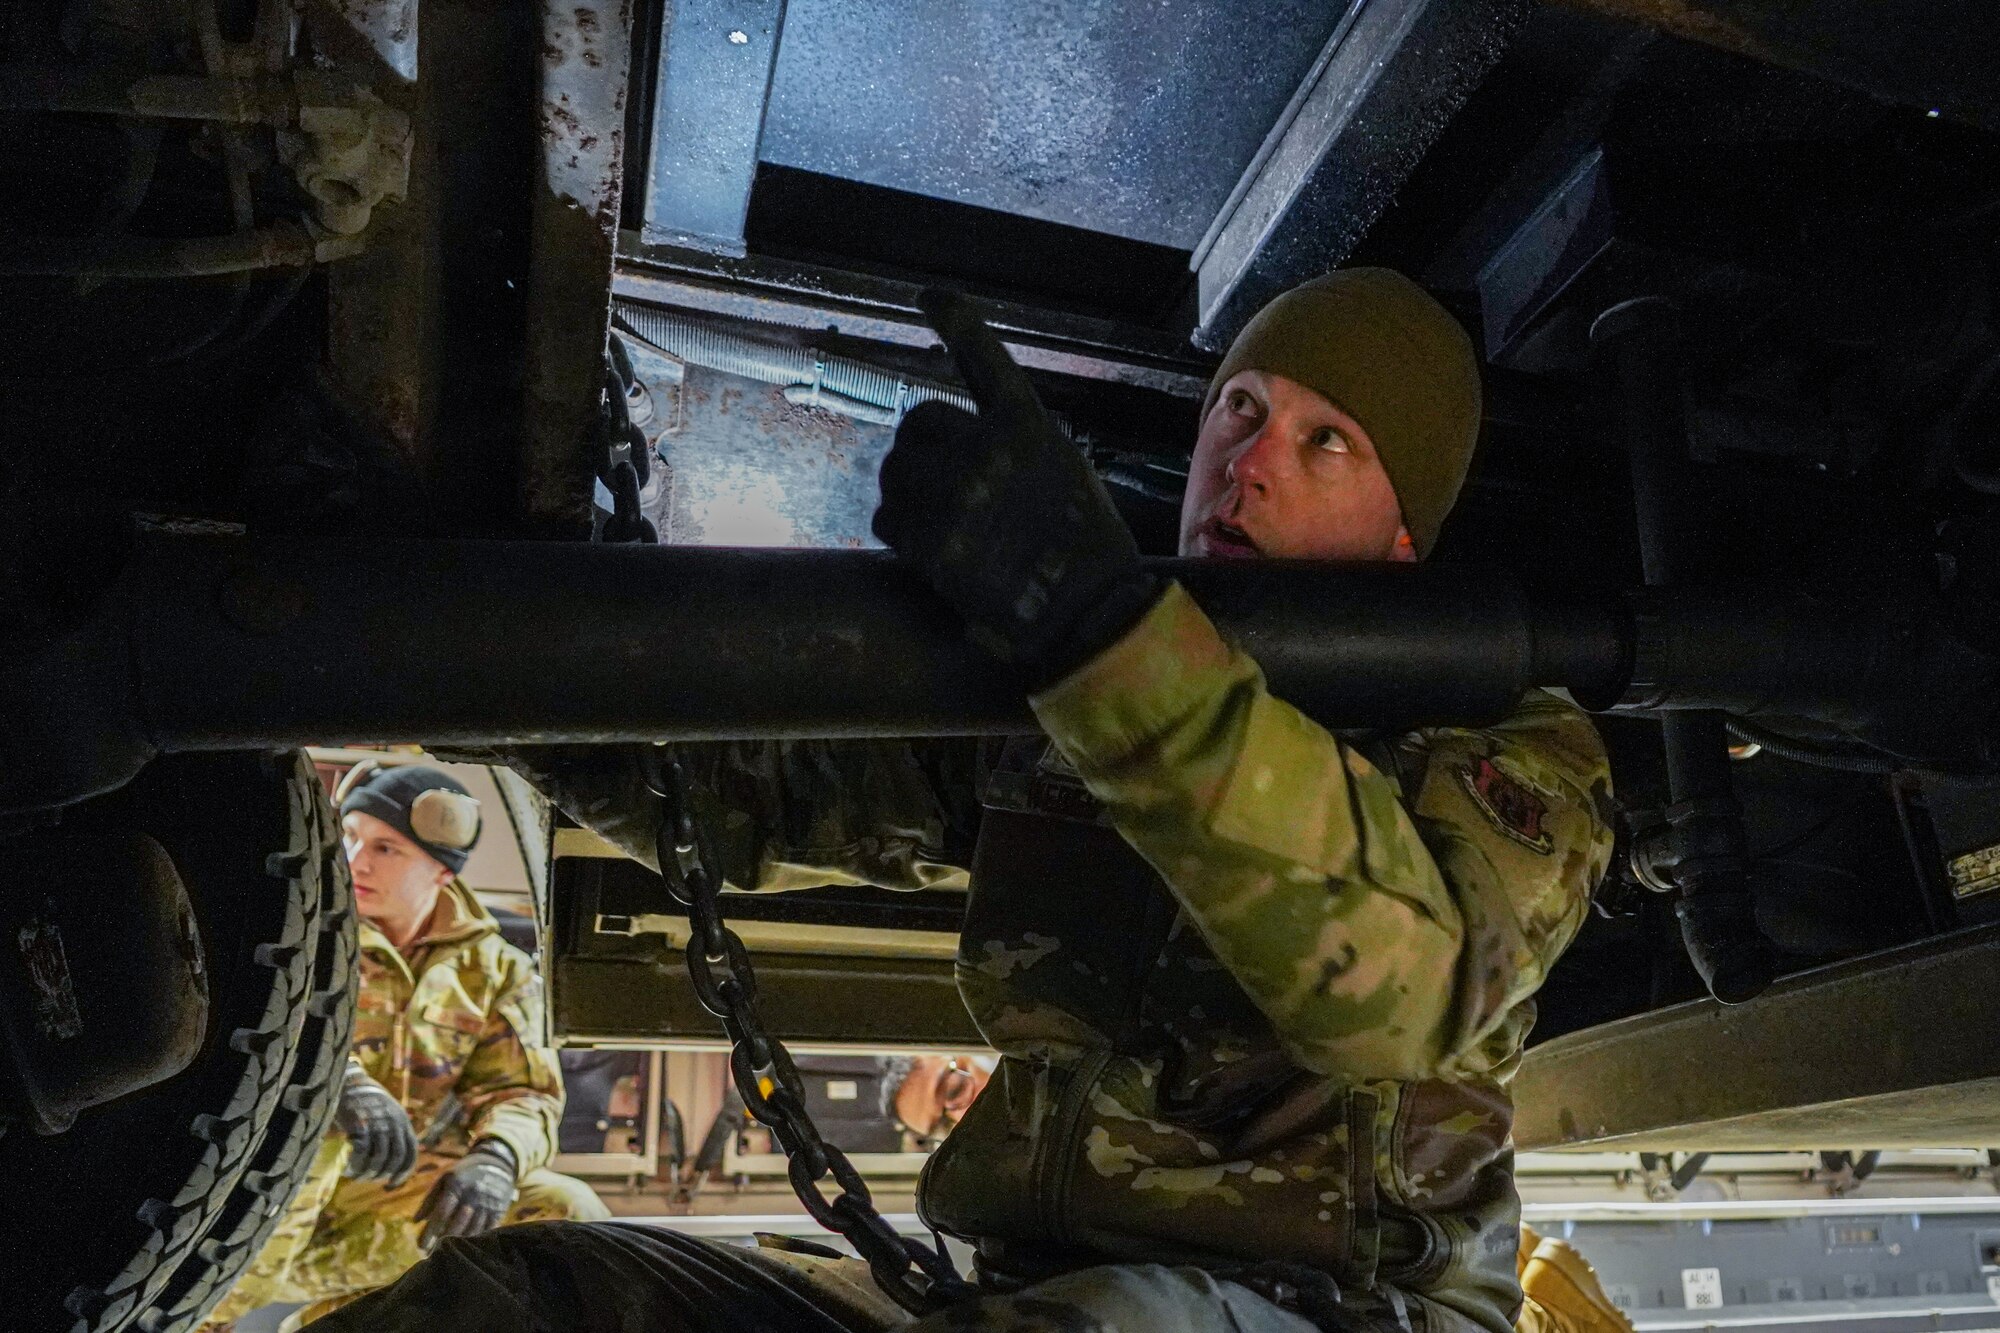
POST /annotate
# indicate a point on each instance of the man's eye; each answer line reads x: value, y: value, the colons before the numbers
x: 1241, y: 403
x: 1331, y: 440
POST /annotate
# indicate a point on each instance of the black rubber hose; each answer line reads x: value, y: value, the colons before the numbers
x: 1871, y: 761
x: 729, y: 1121
x: 674, y: 1129
x: 1690, y: 1167
x: 282, y: 292
x: 1805, y: 752
x: 1717, y: 911
x: 1858, y: 1165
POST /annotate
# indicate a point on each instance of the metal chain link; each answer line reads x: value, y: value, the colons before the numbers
x: 616, y: 513
x: 917, y: 1276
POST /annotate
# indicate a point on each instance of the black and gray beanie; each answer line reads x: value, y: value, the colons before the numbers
x: 429, y: 807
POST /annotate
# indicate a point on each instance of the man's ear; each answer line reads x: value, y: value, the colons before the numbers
x: 1404, y: 550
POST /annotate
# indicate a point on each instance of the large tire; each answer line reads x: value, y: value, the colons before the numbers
x: 292, y: 1137
x: 145, y: 1211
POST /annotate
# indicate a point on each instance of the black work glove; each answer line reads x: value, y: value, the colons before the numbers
x: 473, y: 1197
x: 378, y: 1128
x: 1005, y: 517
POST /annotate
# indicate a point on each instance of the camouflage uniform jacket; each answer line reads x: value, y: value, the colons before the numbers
x: 1296, y: 1047
x: 1298, y: 1050
x: 457, y: 1023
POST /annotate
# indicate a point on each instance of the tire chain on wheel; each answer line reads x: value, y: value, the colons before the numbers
x: 273, y: 1025
x: 305, y: 1110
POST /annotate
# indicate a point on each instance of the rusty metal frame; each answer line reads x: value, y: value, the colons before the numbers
x: 381, y: 305
x: 501, y: 439
x: 585, y: 66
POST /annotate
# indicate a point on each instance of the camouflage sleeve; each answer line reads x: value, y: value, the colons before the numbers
x: 792, y: 813
x: 799, y: 813
x: 1383, y: 939
x: 511, y: 1086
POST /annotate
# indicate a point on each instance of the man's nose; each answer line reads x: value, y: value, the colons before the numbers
x: 1250, y: 466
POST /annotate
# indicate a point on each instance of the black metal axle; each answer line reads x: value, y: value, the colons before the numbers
x: 225, y: 643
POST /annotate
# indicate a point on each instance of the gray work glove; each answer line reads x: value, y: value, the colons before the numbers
x: 378, y: 1128
x: 473, y: 1197
x: 1005, y: 517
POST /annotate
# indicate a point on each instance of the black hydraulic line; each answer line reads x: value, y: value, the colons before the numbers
x: 1820, y: 756
x: 1716, y: 908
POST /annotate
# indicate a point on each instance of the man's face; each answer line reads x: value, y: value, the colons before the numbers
x: 394, y: 879
x: 934, y: 1096
x: 1282, y: 473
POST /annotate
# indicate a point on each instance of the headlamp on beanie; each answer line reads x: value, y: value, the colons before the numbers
x: 424, y: 804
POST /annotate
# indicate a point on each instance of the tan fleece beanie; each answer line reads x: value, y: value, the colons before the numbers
x: 1391, y: 357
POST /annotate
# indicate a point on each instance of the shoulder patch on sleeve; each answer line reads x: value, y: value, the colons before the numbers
x: 1510, y: 803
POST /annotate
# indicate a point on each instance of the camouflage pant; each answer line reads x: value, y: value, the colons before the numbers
x: 622, y: 1278
x: 342, y: 1238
